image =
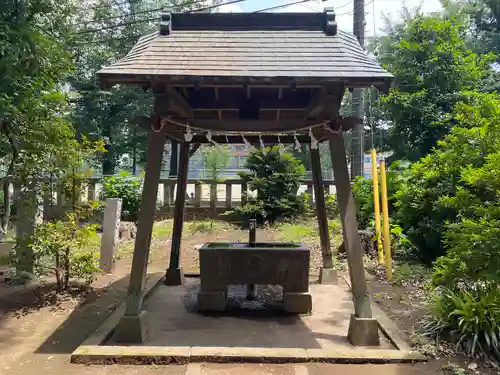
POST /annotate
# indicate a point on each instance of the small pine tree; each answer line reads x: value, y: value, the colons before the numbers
x: 276, y: 179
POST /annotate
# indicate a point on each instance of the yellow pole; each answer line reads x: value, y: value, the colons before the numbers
x: 376, y: 207
x: 385, y: 214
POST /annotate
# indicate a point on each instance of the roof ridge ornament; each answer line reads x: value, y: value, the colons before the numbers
x: 166, y: 22
x: 330, y: 22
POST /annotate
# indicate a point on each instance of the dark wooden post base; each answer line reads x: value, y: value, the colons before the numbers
x: 174, y: 275
x: 328, y: 275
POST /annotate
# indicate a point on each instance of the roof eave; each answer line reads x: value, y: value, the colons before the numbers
x: 108, y: 80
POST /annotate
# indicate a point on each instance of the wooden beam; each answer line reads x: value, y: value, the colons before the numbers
x: 352, y: 241
x: 130, y: 327
x: 237, y: 139
x: 175, y: 136
x: 326, y: 104
x: 172, y: 102
x: 178, y: 103
x: 268, y: 126
x: 290, y: 102
x: 316, y: 106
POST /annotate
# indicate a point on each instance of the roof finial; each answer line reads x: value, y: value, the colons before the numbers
x: 330, y: 23
x: 166, y: 22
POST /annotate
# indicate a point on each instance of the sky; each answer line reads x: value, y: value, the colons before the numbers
x: 343, y: 10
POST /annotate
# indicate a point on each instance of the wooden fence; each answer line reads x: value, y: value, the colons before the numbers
x: 202, y: 193
x: 207, y: 192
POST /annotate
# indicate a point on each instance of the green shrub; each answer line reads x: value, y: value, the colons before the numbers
x: 473, y: 248
x: 456, y: 183
x: 128, y: 188
x: 362, y: 190
x: 62, y: 249
x: 469, y: 318
x: 276, y: 180
x: 332, y: 207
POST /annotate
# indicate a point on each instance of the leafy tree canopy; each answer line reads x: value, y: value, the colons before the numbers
x: 433, y: 68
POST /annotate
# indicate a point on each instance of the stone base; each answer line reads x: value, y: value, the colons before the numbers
x: 328, y: 276
x: 363, y: 332
x: 297, y: 303
x: 131, y: 329
x: 174, y: 276
x: 212, y: 301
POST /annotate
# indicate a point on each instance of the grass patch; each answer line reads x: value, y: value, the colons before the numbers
x: 163, y: 229
x: 408, y: 273
x: 207, y: 226
x: 297, y: 232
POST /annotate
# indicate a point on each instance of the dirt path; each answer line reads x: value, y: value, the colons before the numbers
x: 38, y: 340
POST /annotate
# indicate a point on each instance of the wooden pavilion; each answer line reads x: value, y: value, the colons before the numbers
x: 268, y: 75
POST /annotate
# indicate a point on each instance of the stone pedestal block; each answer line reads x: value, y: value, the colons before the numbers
x: 110, y: 233
x: 363, y: 332
x: 212, y: 301
x: 132, y: 329
x: 297, y: 303
x: 328, y: 276
x: 174, y: 276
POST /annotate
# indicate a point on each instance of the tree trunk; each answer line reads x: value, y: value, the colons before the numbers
x: 108, y: 164
x: 134, y: 161
x: 7, y: 180
x: 66, y: 268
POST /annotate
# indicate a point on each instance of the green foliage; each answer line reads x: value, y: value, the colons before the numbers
x: 332, y: 206
x: 470, y: 318
x: 128, y: 189
x: 275, y: 178
x: 455, y: 188
x: 409, y: 273
x: 362, y: 190
x: 109, y: 116
x: 61, y: 249
x: 433, y: 68
x: 216, y: 158
x: 472, y: 255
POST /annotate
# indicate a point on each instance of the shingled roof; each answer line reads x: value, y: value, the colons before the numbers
x: 302, y: 47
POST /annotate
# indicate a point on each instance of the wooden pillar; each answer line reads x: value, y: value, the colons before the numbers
x: 213, y: 199
x: 174, y: 274
x: 352, y: 242
x: 197, y: 194
x: 229, y: 195
x: 131, y: 328
x: 363, y: 329
x: 326, y: 250
x: 166, y: 193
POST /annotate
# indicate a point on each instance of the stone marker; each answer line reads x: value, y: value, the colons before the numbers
x: 110, y: 233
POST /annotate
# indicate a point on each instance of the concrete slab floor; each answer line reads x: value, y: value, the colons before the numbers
x: 174, y: 321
